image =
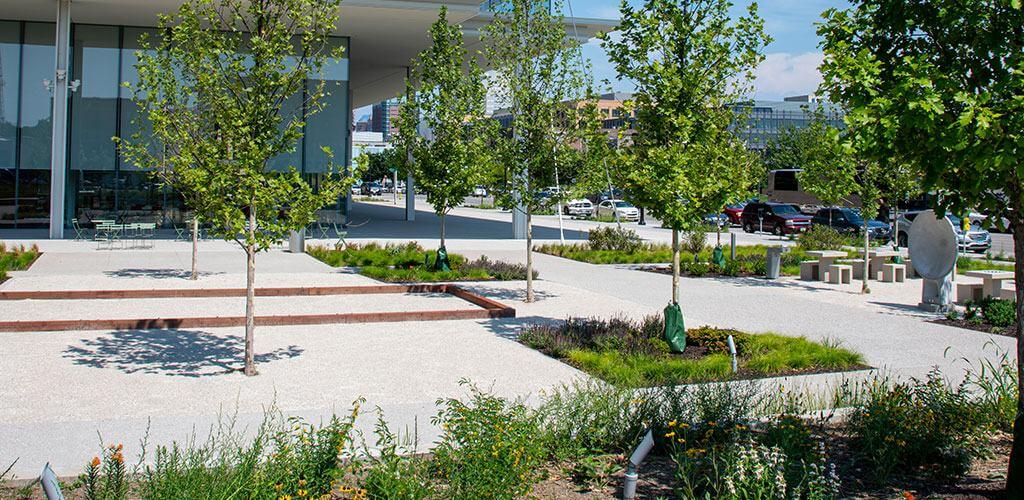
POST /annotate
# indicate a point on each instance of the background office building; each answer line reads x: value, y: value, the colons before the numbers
x: 62, y: 66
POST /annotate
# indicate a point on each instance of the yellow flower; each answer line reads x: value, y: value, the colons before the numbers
x: 672, y: 423
x: 670, y: 434
x: 285, y: 497
x: 684, y: 425
x: 278, y: 486
x: 302, y: 493
x: 302, y: 482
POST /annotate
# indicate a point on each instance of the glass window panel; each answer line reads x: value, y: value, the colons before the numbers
x: 95, y: 61
x: 35, y: 123
x: 131, y: 120
x: 10, y: 62
x: 38, y: 61
x: 330, y: 127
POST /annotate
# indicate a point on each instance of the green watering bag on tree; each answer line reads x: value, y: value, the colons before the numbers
x: 441, y: 263
x: 718, y: 257
x: 675, y: 331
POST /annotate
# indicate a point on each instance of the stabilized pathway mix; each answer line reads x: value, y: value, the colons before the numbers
x: 64, y: 392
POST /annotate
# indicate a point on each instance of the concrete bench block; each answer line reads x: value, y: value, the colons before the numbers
x: 968, y: 292
x: 840, y: 273
x: 809, y: 270
x: 911, y: 272
x: 1009, y: 294
x: 894, y: 273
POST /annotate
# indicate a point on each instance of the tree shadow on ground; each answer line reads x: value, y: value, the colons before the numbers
x: 509, y: 328
x: 155, y: 273
x: 181, y: 353
x: 507, y: 294
x: 906, y: 310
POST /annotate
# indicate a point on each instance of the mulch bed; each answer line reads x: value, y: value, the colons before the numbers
x: 1010, y: 331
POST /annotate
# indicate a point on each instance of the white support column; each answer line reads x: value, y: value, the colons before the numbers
x: 58, y: 150
x: 410, y: 182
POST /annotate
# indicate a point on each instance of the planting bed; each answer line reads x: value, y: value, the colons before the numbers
x: 411, y: 263
x: 633, y: 354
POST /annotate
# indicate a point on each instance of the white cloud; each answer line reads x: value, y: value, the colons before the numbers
x: 782, y: 74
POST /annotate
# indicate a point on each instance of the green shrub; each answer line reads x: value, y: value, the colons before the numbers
x: 614, y: 238
x: 715, y: 340
x: 921, y: 423
x: 489, y: 448
x: 998, y: 312
x: 820, y: 237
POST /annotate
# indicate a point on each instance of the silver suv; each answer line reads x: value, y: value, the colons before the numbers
x: 976, y: 239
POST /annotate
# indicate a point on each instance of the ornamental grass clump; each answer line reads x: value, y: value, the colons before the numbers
x: 16, y: 258
x: 615, y: 239
x: 285, y: 458
x: 489, y: 449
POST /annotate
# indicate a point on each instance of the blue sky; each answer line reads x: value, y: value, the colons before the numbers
x: 791, y: 60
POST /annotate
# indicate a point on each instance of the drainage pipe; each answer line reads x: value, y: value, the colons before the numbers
x: 638, y: 456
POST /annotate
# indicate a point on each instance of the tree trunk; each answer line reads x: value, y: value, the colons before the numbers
x: 250, y: 295
x: 529, y: 256
x: 675, y: 266
x: 442, y: 230
x: 867, y: 261
x: 195, y: 248
x: 1015, y: 475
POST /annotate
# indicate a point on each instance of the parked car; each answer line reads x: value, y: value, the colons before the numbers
x: 734, y: 212
x: 779, y: 218
x: 848, y: 220
x: 373, y: 188
x: 720, y: 220
x: 625, y: 210
x: 579, y: 208
x: 357, y: 188
x: 976, y: 239
x: 480, y: 191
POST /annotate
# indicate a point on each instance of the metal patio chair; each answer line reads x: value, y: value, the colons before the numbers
x: 80, y: 232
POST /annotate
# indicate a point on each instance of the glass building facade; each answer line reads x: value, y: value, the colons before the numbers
x: 100, y: 183
x: 765, y: 120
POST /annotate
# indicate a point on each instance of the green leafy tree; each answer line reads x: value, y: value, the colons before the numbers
x: 450, y: 103
x: 223, y: 94
x: 690, y: 61
x: 374, y: 166
x: 942, y: 83
x: 826, y: 171
x: 542, y: 73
